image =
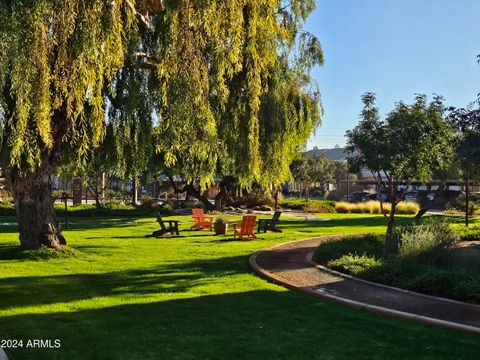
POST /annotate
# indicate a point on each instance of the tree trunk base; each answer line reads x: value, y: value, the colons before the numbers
x: 37, y: 222
x: 52, y: 237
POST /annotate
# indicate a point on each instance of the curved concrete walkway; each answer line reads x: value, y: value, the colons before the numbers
x: 290, y: 264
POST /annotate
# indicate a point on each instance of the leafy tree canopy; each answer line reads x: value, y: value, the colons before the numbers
x: 411, y: 144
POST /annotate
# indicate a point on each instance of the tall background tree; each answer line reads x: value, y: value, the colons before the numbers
x: 410, y: 144
x: 467, y: 124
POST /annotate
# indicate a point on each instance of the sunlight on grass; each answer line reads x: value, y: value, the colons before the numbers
x: 178, y: 294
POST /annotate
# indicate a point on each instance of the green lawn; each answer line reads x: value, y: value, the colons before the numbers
x: 125, y: 296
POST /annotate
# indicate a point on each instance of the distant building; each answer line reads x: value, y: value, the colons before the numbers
x: 337, y: 154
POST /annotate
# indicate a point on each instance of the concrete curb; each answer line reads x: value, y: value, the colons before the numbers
x: 346, y: 276
x: 352, y: 303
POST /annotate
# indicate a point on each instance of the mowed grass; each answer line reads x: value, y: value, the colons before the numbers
x: 124, y: 296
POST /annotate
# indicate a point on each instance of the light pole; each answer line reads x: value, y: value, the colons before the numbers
x: 466, y: 201
x: 348, y: 176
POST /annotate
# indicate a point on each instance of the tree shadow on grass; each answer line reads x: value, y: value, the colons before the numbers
x: 259, y: 324
x: 169, y: 278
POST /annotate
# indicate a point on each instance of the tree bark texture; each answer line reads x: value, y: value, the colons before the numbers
x: 37, y: 222
x: 227, y: 187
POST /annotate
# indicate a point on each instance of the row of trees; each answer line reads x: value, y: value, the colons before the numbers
x: 319, y: 169
x: 195, y: 88
x: 415, y: 143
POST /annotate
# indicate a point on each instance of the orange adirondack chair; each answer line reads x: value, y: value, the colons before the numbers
x: 201, y: 221
x: 246, y: 229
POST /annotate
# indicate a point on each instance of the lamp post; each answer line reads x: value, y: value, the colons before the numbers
x: 348, y: 176
x: 466, y: 200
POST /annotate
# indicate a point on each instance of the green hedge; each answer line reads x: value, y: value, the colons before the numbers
x: 321, y: 206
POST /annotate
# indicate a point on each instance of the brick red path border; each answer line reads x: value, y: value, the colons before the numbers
x: 289, y: 264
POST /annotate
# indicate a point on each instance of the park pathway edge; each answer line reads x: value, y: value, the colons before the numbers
x: 302, y: 256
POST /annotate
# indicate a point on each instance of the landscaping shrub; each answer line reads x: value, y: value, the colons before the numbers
x: 319, y: 206
x: 353, y: 263
x: 452, y: 211
x: 427, y: 261
x: 149, y: 202
x: 252, y: 201
x: 370, y: 244
x: 407, y: 208
x: 426, y: 242
x: 373, y: 207
x: 263, y: 208
x: 342, y: 207
x: 474, y: 203
x: 471, y: 232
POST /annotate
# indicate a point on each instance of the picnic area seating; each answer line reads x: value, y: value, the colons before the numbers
x: 245, y: 230
x: 201, y: 221
x: 171, y: 228
x: 269, y: 224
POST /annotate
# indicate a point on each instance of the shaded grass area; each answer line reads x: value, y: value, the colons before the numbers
x: 124, y: 296
x: 90, y: 210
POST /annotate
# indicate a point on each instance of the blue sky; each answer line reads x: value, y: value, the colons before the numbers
x: 395, y: 48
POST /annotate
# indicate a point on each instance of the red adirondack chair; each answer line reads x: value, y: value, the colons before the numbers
x: 245, y: 230
x: 201, y: 221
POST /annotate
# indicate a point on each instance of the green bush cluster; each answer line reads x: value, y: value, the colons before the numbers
x: 353, y: 263
x: 427, y: 261
x: 430, y: 241
x: 471, y: 232
x: 252, y: 201
x: 318, y: 206
x: 371, y: 244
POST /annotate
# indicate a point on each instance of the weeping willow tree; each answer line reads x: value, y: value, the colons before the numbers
x: 192, y: 73
x: 56, y: 59
x: 239, y: 101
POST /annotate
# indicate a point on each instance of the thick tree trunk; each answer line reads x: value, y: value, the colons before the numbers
x: 275, y: 198
x: 227, y: 186
x: 38, y: 225
x: 219, y: 199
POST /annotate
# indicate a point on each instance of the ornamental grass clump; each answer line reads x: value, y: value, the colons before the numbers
x: 373, y: 207
x: 407, y: 208
x: 343, y: 207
